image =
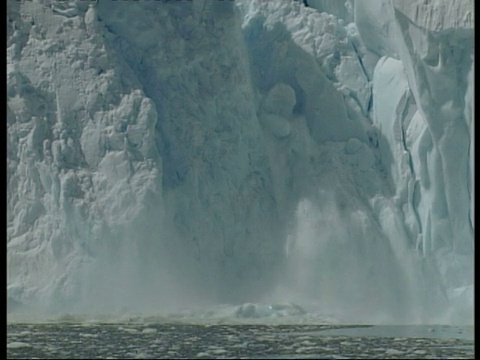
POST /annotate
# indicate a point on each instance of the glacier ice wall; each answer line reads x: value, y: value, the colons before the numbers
x: 434, y: 45
x: 170, y: 154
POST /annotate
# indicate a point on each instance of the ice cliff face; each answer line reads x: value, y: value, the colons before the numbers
x: 431, y: 136
x: 162, y: 154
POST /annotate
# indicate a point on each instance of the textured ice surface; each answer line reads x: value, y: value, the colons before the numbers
x: 167, y: 155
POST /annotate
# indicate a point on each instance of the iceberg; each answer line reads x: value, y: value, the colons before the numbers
x: 170, y: 155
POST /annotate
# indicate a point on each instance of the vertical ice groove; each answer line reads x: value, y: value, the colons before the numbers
x: 403, y: 137
x: 359, y: 58
x: 469, y: 116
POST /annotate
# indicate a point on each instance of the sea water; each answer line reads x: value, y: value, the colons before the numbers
x: 149, y: 338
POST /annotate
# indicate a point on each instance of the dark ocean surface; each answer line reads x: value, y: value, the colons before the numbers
x: 154, y: 340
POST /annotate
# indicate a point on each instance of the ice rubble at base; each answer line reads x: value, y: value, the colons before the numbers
x: 206, y: 153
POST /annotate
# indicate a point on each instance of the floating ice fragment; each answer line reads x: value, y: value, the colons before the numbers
x: 18, y: 345
x: 393, y: 352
